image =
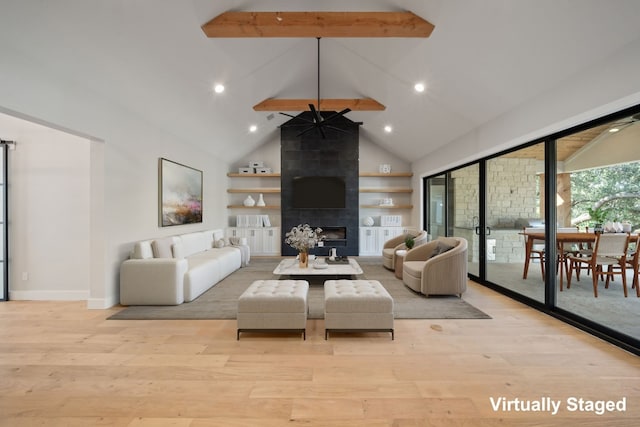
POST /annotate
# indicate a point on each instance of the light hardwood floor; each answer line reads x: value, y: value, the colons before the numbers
x: 64, y: 365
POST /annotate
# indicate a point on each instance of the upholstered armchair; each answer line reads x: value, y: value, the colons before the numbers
x: 397, y: 243
x: 438, y: 267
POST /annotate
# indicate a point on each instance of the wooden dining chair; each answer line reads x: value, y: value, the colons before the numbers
x: 633, y: 261
x: 537, y: 250
x: 610, y: 250
x: 567, y: 249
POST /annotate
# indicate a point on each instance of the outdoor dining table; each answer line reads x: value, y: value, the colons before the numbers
x: 561, y: 239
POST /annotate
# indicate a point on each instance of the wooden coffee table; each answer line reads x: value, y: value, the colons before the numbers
x: 291, y: 267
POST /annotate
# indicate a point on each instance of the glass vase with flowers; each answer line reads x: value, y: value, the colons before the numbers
x: 302, y: 238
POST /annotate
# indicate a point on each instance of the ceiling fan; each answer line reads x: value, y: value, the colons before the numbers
x: 317, y: 122
x: 621, y: 124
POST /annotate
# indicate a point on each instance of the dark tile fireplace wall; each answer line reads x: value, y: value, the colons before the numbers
x: 311, y: 155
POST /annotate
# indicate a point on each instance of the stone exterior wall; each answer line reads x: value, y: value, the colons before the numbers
x: 512, y: 193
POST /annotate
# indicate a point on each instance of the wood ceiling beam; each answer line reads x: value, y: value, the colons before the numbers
x: 358, y: 104
x: 318, y: 24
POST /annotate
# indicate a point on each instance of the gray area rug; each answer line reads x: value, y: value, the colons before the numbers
x: 221, y: 301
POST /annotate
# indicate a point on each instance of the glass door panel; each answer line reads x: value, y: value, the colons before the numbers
x: 465, y: 184
x: 513, y: 203
x: 3, y: 224
x: 599, y: 187
x: 437, y: 210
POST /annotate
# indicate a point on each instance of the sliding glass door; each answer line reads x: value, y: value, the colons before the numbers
x: 4, y: 276
x: 513, y: 204
x: 529, y: 213
x: 453, y: 209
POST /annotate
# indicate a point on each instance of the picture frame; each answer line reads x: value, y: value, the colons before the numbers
x: 180, y: 194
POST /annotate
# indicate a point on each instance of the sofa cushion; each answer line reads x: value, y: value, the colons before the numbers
x: 142, y: 250
x: 440, y: 249
x: 162, y: 247
x: 219, y: 243
x: 195, y: 242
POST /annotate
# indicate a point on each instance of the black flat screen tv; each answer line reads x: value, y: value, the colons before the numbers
x: 319, y: 192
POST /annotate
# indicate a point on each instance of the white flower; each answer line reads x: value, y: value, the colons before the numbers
x: 303, y: 237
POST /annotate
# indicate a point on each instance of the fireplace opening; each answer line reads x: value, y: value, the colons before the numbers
x: 336, y: 236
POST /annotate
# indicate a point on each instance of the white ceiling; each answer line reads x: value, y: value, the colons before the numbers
x: 483, y: 59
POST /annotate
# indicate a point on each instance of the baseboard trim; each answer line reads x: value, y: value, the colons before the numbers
x: 46, y: 295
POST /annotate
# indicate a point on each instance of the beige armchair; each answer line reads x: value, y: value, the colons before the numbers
x: 397, y: 243
x: 444, y: 273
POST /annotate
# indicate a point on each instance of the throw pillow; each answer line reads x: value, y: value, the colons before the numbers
x: 440, y: 249
x: 162, y: 248
x: 235, y: 241
x: 219, y: 243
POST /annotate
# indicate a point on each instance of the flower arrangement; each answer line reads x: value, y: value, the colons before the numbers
x: 303, y: 237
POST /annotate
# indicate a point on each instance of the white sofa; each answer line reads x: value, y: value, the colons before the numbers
x: 176, y: 269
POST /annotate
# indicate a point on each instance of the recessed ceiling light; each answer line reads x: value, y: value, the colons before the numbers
x: 614, y: 130
x: 253, y: 128
x: 388, y: 128
x: 219, y: 88
x: 419, y: 87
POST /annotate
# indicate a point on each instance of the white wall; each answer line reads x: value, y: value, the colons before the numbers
x: 123, y: 172
x: 606, y: 87
x: 49, y: 206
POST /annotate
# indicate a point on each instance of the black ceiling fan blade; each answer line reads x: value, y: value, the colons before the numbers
x: 307, y: 130
x: 316, y: 114
x: 336, y: 115
x: 336, y: 128
x: 299, y: 125
x: 322, y: 131
x: 298, y: 117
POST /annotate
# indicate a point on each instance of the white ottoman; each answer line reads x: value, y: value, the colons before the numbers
x: 274, y: 306
x: 357, y: 306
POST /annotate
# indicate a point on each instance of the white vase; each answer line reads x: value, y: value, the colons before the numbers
x: 368, y: 221
x: 260, y: 201
x: 249, y: 201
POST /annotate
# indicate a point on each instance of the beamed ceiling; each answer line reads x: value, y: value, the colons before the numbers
x: 158, y: 62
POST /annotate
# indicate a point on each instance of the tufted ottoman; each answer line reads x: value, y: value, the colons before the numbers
x: 357, y: 306
x: 274, y: 306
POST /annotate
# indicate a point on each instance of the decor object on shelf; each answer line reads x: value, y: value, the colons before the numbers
x: 302, y: 238
x: 368, y: 221
x: 262, y: 171
x: 386, y: 202
x: 245, y: 171
x: 260, y: 201
x: 385, y: 168
x: 256, y: 164
x: 180, y: 194
x: 391, y: 220
x: 249, y: 201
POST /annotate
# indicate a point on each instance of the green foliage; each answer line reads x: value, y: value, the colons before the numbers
x: 609, y: 193
x: 409, y: 242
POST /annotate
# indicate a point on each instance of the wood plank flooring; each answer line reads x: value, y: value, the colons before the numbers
x: 64, y: 365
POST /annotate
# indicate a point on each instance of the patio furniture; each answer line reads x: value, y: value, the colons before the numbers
x: 633, y: 261
x: 610, y: 249
x: 534, y: 249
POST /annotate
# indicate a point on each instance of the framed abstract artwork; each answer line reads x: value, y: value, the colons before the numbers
x: 180, y: 194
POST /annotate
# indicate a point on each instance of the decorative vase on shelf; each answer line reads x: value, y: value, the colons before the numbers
x: 368, y: 221
x: 260, y: 201
x: 249, y: 201
x: 303, y: 258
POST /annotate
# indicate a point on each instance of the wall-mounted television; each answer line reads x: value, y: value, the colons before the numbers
x: 319, y: 192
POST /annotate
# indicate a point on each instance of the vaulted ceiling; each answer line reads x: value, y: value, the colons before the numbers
x: 483, y: 59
